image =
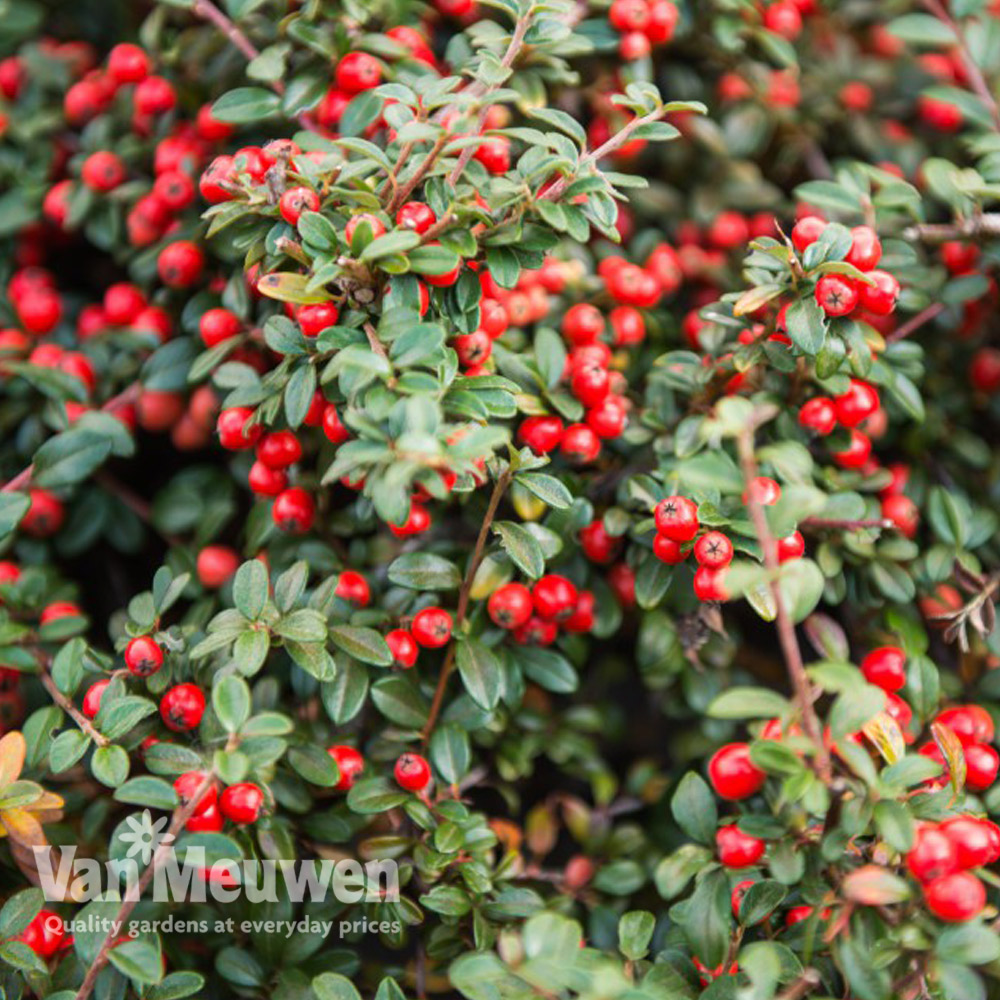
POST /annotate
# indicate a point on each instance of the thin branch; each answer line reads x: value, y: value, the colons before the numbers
x: 180, y: 816
x: 914, y: 323
x: 595, y: 155
x: 976, y: 79
x: 499, y: 488
x: 207, y: 11
x: 67, y: 705
x: 986, y: 225
x: 786, y: 629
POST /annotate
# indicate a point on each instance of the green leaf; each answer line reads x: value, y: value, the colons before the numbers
x: 693, y: 807
x: 547, y: 488
x: 450, y: 753
x: 315, y: 765
x: 19, y: 911
x: 481, y: 673
x: 13, y: 506
x: 364, y: 644
x: 522, y: 547
x: 139, y: 960
x: 246, y: 105
x: 332, y: 986
x: 635, y: 931
x: 145, y: 790
x: 69, y: 458
x: 110, y: 765
x: 748, y: 703
x: 424, y: 571
x: 375, y: 795
x: 250, y: 588
x: 398, y: 699
x: 760, y: 900
x: 231, y: 702
x: 67, y: 748
x: 806, y: 326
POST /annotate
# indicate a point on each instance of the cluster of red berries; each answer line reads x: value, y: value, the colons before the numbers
x: 534, y: 617
x: 242, y: 803
x: 642, y: 24
x: 181, y: 707
x: 411, y: 770
x: 840, y: 294
x: 942, y: 858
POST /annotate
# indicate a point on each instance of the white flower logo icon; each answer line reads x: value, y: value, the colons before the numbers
x: 144, y: 835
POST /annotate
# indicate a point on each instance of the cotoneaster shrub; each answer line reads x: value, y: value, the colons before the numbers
x: 545, y: 444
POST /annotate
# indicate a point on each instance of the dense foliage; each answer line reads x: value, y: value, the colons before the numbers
x: 550, y: 445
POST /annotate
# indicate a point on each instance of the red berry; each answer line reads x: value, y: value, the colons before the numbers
x: 45, y: 934
x: 45, y: 514
x: 236, y: 433
x: 879, y: 298
x: 609, y: 417
x: 432, y: 628
x: 295, y: 201
x: 857, y: 404
x: 412, y: 772
x: 709, y: 584
x: 932, y: 856
x: 668, y: 551
x: 182, y: 707
x: 128, y: 63
x: 180, y: 264
x: 541, y: 434
x: 903, y: 513
x: 677, y: 518
x: 836, y: 295
x: 791, y: 547
x: 857, y: 452
x: 92, y: 699
x: 417, y: 522
x: 103, y: 171
x: 885, y: 667
x: 293, y: 511
x: 981, y: 765
x: 188, y: 784
x: 358, y: 71
x: 494, y: 154
x: 353, y: 588
x: 510, y: 606
x: 350, y: 763
x: 216, y: 564
x: 955, y: 898
x: 315, y: 319
x: 553, y: 597
x: 598, y: 546
x: 713, y: 549
x: 154, y: 96
x: 580, y: 444
x: 973, y: 840
x: 417, y: 216
x: 737, y: 849
x: 403, y: 648
x: 175, y: 189
x: 242, y: 803
x: 582, y: 324
x: 866, y: 250
x: 143, y: 656
x: 970, y: 723
x: 217, y: 325
x: 733, y: 775
x: 279, y: 449
x: 266, y: 482
x: 807, y: 231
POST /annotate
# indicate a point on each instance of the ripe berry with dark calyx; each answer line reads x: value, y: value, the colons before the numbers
x: 412, y: 772
x: 403, y: 647
x: 553, y: 597
x: 180, y: 264
x: 242, y: 803
x: 294, y: 511
x: 314, y: 319
x: 857, y: 404
x: 885, y: 667
x: 955, y: 898
x: 353, y: 588
x: 677, y: 518
x: 714, y: 550
x: 295, y: 201
x: 182, y: 707
x: 510, y: 606
x: 103, y: 171
x: 175, y: 189
x: 737, y: 849
x: 215, y: 565
x: 143, y: 656
x: 187, y: 785
x: 358, y: 71
x: 932, y: 856
x: 350, y: 764
x: 836, y: 295
x: 733, y: 775
x: 92, y: 699
x: 981, y: 765
x: 45, y: 514
x: 431, y: 628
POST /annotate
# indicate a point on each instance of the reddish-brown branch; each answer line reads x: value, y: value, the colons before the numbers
x: 499, y: 488
x: 844, y: 524
x: 804, y: 696
x: 914, y: 323
x: 180, y: 816
x: 67, y: 705
x: 207, y: 11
